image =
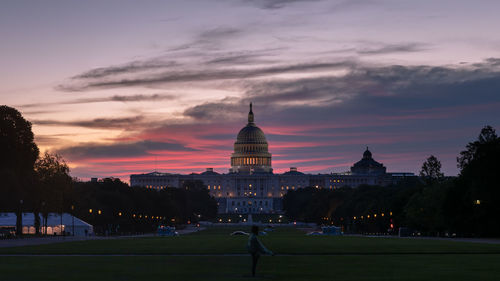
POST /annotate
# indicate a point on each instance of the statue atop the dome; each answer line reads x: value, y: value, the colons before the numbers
x: 250, y: 115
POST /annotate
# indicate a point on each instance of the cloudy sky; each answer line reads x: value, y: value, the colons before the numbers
x: 121, y: 87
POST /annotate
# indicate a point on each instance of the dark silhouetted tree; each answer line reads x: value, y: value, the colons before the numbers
x: 18, y: 155
x: 487, y: 135
x: 53, y: 183
x: 431, y: 170
x: 424, y: 210
x: 474, y: 203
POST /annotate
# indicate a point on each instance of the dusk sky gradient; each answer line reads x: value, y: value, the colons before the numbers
x: 121, y: 87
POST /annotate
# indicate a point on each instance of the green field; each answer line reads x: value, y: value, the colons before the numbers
x: 299, y: 257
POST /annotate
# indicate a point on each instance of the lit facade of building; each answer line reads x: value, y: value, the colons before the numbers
x: 252, y: 187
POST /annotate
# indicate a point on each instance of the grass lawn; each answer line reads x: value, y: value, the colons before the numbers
x: 362, y: 259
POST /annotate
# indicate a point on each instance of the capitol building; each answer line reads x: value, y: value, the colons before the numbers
x: 250, y: 186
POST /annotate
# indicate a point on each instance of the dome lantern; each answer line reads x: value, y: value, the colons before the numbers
x: 250, y: 115
x: 367, y: 154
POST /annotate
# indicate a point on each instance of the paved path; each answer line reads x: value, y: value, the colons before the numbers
x: 470, y: 240
x: 4, y: 243
x: 246, y: 255
x: 190, y: 229
x: 38, y: 241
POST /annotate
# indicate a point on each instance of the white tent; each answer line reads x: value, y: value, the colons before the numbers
x: 54, y: 225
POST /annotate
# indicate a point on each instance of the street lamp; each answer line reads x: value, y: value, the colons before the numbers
x: 44, y: 217
x: 19, y: 225
x: 73, y: 218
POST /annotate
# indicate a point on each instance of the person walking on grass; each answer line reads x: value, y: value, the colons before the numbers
x: 255, y: 248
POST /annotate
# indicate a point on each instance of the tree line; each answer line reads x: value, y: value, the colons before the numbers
x: 432, y: 204
x: 41, y: 184
x: 466, y: 205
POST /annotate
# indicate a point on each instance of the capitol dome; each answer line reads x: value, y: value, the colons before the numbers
x: 251, y: 134
x: 250, y: 149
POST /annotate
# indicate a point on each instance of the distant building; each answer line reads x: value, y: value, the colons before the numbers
x: 252, y: 187
x: 368, y: 166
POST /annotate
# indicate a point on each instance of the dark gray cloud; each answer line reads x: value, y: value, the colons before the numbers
x: 493, y: 61
x: 275, y: 4
x: 336, y: 6
x: 141, y: 148
x: 35, y: 112
x: 350, y: 4
x: 46, y: 140
x: 389, y: 93
x: 210, y: 39
x: 215, y: 66
x: 245, y: 58
x: 394, y: 48
x: 199, y: 75
x: 131, y: 67
x: 374, y: 48
x: 114, y: 98
x: 98, y: 123
x: 219, y: 33
x: 214, y: 111
x: 238, y: 59
x: 132, y: 98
